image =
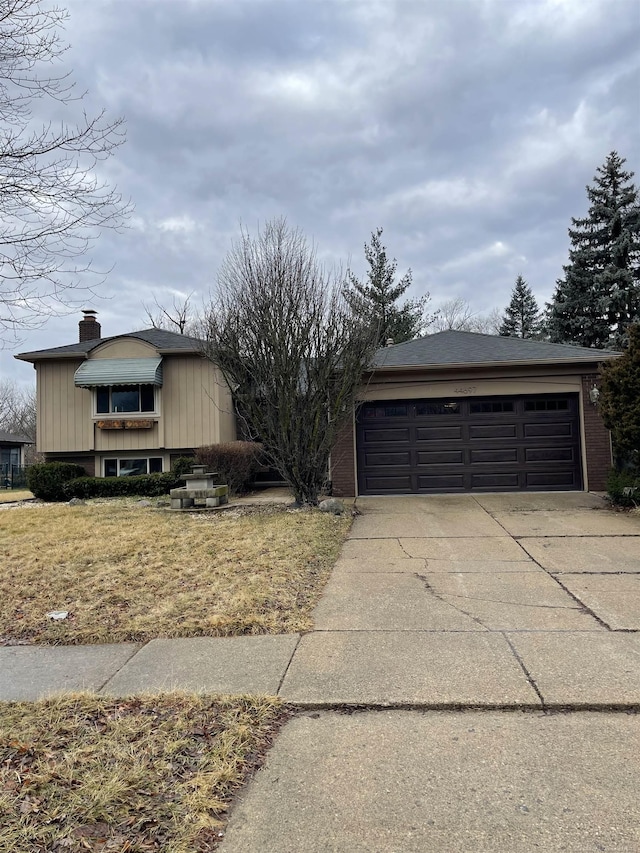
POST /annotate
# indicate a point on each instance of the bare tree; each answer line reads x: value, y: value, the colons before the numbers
x: 457, y: 315
x: 178, y: 317
x: 52, y: 206
x: 291, y: 349
x: 17, y: 409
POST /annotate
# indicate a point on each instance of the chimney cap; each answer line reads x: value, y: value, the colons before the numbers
x: 89, y: 313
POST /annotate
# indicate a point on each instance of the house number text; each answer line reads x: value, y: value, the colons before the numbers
x: 469, y: 389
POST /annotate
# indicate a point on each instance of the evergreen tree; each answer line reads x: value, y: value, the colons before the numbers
x: 619, y: 400
x: 599, y: 297
x: 377, y: 296
x: 522, y: 316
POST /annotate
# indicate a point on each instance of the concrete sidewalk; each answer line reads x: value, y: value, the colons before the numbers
x: 450, y: 631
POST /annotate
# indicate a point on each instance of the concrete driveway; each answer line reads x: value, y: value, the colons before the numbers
x: 488, y: 647
x: 485, y: 600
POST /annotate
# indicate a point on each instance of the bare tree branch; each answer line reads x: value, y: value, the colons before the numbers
x: 179, y: 316
x: 291, y: 349
x: 456, y: 314
x: 17, y: 409
x: 52, y: 205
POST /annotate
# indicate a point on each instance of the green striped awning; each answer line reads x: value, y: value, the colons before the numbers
x: 119, y: 371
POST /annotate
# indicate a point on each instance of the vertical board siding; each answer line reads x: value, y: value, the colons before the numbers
x: 196, y: 406
x: 64, y: 422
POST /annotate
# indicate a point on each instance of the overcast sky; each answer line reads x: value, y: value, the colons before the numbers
x: 467, y: 129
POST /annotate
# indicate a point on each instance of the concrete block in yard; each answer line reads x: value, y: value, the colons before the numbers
x: 331, y: 505
x: 213, y: 501
x: 176, y: 503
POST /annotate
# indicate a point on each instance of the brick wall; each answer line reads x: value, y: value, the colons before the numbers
x: 597, y: 438
x: 343, y: 462
x: 88, y: 462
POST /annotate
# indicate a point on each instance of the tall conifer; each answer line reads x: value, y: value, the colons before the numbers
x: 522, y: 316
x: 599, y: 296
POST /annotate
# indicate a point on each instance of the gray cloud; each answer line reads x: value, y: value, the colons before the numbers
x: 467, y: 129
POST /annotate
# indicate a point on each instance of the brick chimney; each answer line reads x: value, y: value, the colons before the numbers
x: 89, y: 326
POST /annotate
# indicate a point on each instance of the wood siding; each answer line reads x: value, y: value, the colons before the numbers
x: 127, y: 348
x: 194, y: 407
x: 196, y: 404
x: 64, y: 412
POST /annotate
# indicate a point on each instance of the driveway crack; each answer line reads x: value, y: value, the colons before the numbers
x: 526, y: 672
x: 511, y: 603
x: 584, y: 607
x: 455, y: 607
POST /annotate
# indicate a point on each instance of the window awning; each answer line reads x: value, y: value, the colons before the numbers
x: 119, y: 371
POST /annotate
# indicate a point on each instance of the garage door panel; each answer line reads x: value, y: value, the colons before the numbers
x: 550, y: 454
x: 506, y: 454
x: 548, y: 430
x: 376, y: 459
x: 441, y: 482
x: 439, y: 433
x: 495, y: 480
x: 551, y: 480
x: 382, y: 436
x: 394, y: 484
x: 493, y: 444
x: 440, y: 457
x: 493, y: 431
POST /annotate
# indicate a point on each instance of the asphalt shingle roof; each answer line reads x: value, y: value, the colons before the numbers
x: 452, y: 347
x: 10, y: 438
x: 158, y: 338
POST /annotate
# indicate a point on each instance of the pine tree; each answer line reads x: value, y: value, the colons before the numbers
x: 619, y: 401
x: 522, y: 316
x: 599, y: 297
x: 379, y: 294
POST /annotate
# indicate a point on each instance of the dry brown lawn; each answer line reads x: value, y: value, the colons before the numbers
x: 125, y: 572
x: 12, y: 495
x: 87, y: 773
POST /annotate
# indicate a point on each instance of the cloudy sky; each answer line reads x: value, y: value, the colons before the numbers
x: 467, y: 129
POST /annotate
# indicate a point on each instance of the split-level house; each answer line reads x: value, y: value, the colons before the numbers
x: 128, y: 404
x: 449, y: 412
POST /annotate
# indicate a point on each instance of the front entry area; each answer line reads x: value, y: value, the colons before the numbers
x: 529, y: 442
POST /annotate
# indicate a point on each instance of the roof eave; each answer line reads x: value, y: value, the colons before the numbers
x: 511, y: 363
x: 48, y: 356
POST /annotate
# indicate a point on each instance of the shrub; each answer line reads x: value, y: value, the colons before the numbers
x: 144, y: 485
x: 182, y: 465
x: 236, y: 463
x: 47, y: 479
x: 623, y: 488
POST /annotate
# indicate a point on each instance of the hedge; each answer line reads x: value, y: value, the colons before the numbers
x: 236, y: 463
x: 47, y: 480
x: 145, y: 485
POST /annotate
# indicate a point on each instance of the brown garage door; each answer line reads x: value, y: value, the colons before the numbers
x: 489, y: 444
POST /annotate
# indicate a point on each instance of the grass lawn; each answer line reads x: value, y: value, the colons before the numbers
x: 11, y: 495
x: 87, y: 773
x: 125, y: 572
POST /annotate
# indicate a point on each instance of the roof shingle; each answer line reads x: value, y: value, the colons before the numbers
x: 159, y: 338
x: 465, y: 348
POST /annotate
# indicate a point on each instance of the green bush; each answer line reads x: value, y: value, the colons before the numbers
x: 236, y: 462
x: 182, y: 465
x: 144, y: 485
x: 623, y: 488
x: 47, y: 479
